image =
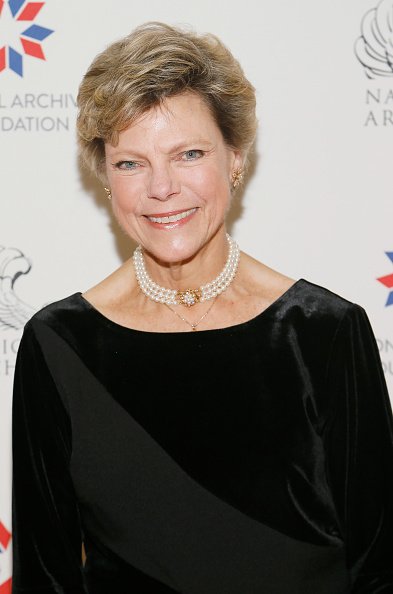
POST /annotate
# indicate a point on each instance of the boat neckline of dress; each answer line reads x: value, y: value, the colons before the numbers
x: 234, y: 327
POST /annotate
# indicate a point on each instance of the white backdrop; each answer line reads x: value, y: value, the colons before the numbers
x: 318, y: 204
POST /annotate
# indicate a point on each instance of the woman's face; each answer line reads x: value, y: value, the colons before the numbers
x: 170, y: 178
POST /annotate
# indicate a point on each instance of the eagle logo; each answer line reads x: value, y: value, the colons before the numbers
x: 14, y: 313
x: 374, y: 47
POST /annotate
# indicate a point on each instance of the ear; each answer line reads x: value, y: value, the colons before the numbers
x: 236, y: 161
x: 236, y: 170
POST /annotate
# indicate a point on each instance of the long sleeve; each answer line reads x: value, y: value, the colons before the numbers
x: 46, y: 527
x: 359, y: 443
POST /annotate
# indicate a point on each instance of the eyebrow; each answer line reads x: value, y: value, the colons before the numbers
x: 182, y: 145
x: 190, y: 143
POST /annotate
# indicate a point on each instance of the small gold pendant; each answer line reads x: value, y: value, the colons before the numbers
x: 189, y: 297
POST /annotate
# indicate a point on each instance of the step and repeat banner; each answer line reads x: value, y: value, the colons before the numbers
x: 318, y: 201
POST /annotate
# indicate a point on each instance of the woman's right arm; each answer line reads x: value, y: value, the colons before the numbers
x: 46, y: 526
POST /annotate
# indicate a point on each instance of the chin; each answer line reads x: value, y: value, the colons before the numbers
x: 173, y: 251
x: 174, y: 256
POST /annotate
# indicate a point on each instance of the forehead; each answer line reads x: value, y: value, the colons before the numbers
x: 182, y: 115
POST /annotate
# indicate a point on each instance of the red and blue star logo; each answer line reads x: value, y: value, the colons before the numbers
x: 5, y: 538
x: 388, y: 281
x: 19, y: 40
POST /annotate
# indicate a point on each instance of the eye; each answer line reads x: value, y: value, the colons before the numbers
x: 126, y: 165
x: 192, y: 155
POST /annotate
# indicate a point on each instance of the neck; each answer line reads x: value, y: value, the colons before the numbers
x: 202, y: 267
x: 191, y: 294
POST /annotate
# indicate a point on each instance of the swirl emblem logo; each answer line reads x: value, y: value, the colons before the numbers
x: 374, y: 48
x: 5, y: 538
x: 14, y: 313
x: 17, y: 41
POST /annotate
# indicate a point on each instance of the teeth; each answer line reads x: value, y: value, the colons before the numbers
x: 172, y: 218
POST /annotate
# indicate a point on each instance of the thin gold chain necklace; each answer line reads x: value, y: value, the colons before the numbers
x: 195, y: 324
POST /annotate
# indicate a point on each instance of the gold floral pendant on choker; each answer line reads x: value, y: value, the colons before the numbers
x: 189, y: 297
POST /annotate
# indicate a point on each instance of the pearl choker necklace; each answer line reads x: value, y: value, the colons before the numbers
x: 188, y: 297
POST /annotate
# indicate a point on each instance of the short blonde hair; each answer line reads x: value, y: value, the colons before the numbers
x: 153, y: 62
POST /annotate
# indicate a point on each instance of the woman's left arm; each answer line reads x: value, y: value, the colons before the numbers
x: 359, y: 446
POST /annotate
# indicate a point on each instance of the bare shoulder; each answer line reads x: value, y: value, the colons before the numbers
x: 259, y: 285
x: 264, y: 281
x: 112, y: 290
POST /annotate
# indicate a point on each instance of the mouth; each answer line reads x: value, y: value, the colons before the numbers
x: 171, y: 218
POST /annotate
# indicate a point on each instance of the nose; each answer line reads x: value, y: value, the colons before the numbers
x: 162, y: 182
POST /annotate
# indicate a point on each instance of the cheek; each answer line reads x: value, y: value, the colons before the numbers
x: 207, y: 180
x: 125, y: 208
x: 124, y: 192
x: 125, y: 213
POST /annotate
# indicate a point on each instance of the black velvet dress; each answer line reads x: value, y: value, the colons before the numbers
x: 254, y: 459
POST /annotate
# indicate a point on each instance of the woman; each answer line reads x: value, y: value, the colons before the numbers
x: 202, y: 423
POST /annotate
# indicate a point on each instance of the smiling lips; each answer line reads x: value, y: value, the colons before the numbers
x: 173, y: 218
